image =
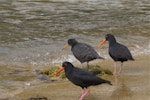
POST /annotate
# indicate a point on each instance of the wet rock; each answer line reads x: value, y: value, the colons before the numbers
x: 38, y: 98
x: 42, y: 77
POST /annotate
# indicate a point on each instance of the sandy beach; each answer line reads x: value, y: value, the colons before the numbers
x: 133, y: 84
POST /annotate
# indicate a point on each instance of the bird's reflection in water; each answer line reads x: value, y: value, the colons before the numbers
x: 122, y: 91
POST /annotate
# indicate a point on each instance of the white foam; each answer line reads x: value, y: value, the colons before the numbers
x: 69, y: 58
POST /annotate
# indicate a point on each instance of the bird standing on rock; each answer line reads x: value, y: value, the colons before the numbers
x: 117, y: 51
x: 82, y: 51
x: 81, y: 77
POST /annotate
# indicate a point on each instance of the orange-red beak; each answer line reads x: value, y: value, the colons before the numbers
x: 65, y: 46
x: 102, y: 42
x: 58, y: 72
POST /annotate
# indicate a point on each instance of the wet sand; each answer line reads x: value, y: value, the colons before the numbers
x: 133, y: 84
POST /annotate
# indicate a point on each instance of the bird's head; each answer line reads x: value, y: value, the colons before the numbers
x: 107, y: 38
x: 64, y: 64
x: 71, y: 42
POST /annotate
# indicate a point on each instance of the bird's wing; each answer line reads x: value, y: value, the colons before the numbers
x: 85, y: 51
x: 119, y: 51
x: 84, y: 77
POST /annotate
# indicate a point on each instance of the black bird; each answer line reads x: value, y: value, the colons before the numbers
x: 82, y: 51
x: 81, y: 77
x: 117, y: 51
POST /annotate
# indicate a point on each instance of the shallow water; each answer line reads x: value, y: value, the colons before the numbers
x: 33, y: 32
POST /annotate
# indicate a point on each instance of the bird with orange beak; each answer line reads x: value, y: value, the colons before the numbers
x: 81, y: 77
x: 82, y: 51
x: 117, y: 51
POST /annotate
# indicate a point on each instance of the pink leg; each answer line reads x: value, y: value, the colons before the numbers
x: 120, y: 68
x: 115, y: 68
x: 83, y: 94
x: 83, y: 91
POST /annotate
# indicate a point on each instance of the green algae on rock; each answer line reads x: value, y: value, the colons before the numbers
x: 51, y: 71
x: 96, y: 69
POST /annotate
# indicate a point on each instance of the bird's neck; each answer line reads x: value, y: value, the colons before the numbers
x: 74, y: 44
x: 112, y: 41
x: 68, y: 70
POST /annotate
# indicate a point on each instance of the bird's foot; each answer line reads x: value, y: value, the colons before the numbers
x: 117, y: 74
x: 84, y: 92
x: 81, y: 99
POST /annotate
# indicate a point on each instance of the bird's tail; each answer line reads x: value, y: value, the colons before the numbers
x: 107, y: 82
x: 132, y: 59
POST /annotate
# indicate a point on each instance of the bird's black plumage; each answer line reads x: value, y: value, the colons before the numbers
x: 117, y: 51
x: 82, y: 77
x: 83, y: 52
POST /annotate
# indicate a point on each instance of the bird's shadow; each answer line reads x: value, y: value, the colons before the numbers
x: 121, y: 90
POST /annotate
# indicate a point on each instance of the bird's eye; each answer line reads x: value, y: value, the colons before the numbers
x: 65, y: 64
x: 106, y: 36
